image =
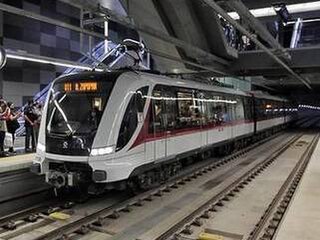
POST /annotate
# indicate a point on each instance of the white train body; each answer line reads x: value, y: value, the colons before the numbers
x: 144, y: 121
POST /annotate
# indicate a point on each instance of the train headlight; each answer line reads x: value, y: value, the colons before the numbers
x: 101, y: 151
x: 41, y: 147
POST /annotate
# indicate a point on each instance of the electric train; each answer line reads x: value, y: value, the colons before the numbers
x: 133, y: 128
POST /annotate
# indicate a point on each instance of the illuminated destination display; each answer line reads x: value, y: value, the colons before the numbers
x: 80, y: 86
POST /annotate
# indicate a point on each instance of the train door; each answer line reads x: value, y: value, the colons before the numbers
x: 229, y: 120
x: 170, y: 118
x: 159, y: 124
x: 254, y: 114
x: 202, y: 111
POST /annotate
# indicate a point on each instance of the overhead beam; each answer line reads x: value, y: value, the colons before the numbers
x: 306, y: 60
x: 201, y: 66
x: 201, y: 54
x: 215, y: 7
x: 41, y: 18
x: 259, y: 28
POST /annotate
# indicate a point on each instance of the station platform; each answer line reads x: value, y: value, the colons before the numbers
x: 19, y: 161
x: 15, y: 163
x: 302, y: 219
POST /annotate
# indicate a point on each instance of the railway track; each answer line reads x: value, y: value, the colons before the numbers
x: 97, y: 219
x: 184, y: 227
x: 21, y: 189
x: 268, y: 225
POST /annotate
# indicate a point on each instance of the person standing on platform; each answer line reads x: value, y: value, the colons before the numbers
x: 38, y: 113
x: 12, y: 124
x: 30, y: 118
x: 4, y: 112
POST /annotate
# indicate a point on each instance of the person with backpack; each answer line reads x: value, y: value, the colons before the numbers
x: 12, y: 124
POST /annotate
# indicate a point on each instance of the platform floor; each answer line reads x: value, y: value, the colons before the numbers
x: 302, y: 220
x: 17, y: 162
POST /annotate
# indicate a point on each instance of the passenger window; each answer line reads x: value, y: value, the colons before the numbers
x: 260, y: 109
x: 188, y: 110
x: 170, y: 107
x: 164, y: 110
x: 217, y: 109
x: 202, y: 106
x: 130, y: 119
x: 248, y: 108
x: 239, y: 111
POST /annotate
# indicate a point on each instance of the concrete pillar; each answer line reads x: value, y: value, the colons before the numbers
x: 106, y: 33
x: 1, y: 26
x: 1, y: 43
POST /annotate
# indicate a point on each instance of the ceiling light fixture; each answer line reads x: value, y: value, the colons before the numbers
x: 56, y: 63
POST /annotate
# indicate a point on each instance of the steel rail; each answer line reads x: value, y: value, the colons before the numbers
x: 197, y: 212
x: 52, y: 206
x: 300, y: 167
x: 113, y: 211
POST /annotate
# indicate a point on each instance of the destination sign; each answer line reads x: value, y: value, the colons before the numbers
x: 80, y: 86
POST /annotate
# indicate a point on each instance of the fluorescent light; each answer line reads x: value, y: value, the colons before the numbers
x: 292, y: 8
x: 38, y: 60
x: 101, y: 151
x: 305, y: 21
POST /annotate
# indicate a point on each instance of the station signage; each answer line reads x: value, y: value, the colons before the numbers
x: 3, y: 57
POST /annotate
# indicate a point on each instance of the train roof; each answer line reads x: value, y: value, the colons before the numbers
x: 180, y: 82
x: 198, y: 85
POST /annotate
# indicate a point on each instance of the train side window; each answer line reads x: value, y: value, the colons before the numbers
x: 203, y: 108
x: 260, y: 109
x: 269, y: 108
x: 239, y: 111
x: 248, y: 108
x: 216, y: 108
x: 188, y: 110
x: 164, y: 110
x: 229, y: 106
x: 170, y: 109
x: 130, y: 119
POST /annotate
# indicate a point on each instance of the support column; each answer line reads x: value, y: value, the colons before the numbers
x: 1, y: 28
x: 1, y: 43
x: 106, y: 34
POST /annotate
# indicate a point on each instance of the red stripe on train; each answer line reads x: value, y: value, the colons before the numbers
x: 144, y: 135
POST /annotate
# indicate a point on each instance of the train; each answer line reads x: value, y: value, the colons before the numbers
x: 126, y: 128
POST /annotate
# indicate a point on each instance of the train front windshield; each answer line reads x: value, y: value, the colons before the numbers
x: 75, y: 110
x: 71, y: 114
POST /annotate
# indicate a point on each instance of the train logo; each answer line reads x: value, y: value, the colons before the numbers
x: 65, y: 145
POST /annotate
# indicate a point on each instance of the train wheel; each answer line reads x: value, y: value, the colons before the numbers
x: 133, y: 186
x: 201, y: 156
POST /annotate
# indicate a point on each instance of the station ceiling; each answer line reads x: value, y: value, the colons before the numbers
x: 189, y: 25
x: 253, y: 4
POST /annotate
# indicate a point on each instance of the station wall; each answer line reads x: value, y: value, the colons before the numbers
x: 21, y: 79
